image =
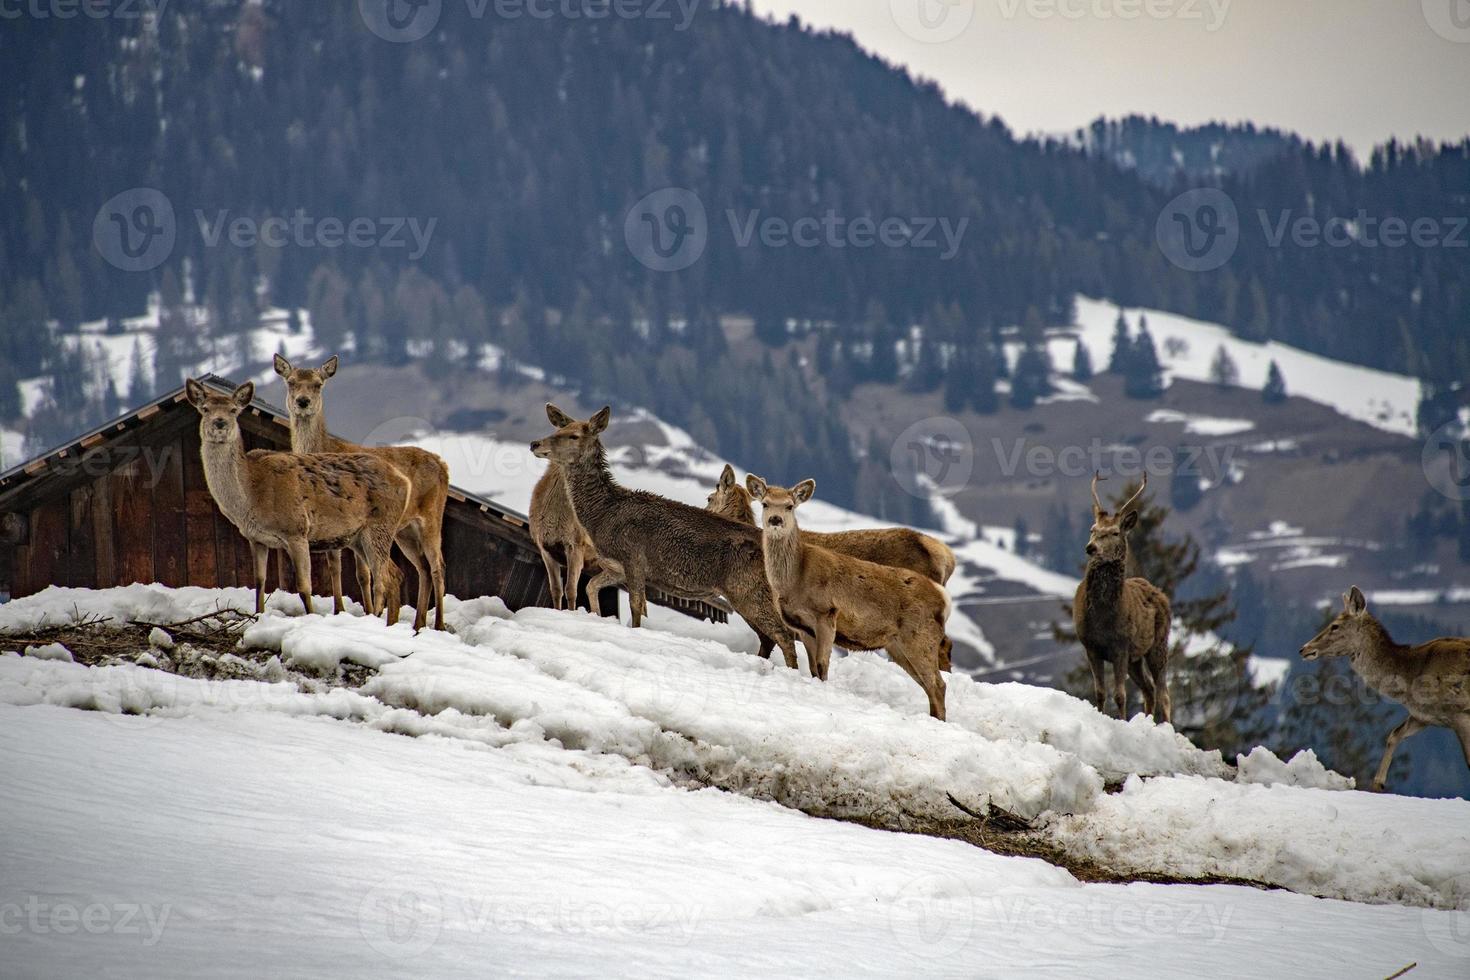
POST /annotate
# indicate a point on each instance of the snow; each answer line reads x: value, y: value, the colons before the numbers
x: 49, y: 651
x: 1201, y: 425
x: 1304, y: 769
x: 1381, y: 399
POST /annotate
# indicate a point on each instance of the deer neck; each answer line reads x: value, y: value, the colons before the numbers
x: 590, y: 488
x: 309, y: 435
x: 782, y: 557
x: 225, y: 475
x: 1103, y: 587
x: 1381, y: 659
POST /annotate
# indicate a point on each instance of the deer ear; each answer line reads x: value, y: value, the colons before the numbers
x: 727, y: 477
x: 329, y: 369
x: 803, y: 491
x: 194, y: 391
x: 599, y: 421
x: 283, y: 366
x: 557, y: 417
x: 756, y: 486
x: 1130, y: 521
x: 244, y: 394
x: 1355, y: 602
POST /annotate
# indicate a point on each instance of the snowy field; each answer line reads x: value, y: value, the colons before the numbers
x: 542, y: 792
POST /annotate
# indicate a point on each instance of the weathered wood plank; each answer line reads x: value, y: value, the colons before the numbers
x: 164, y: 469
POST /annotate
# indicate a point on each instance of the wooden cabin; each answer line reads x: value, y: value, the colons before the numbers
x: 128, y: 503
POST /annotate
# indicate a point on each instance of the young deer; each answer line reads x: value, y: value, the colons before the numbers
x: 554, y: 525
x: 1432, y: 679
x: 642, y: 538
x: 1122, y: 620
x: 900, y: 547
x: 292, y: 501
x: 420, y: 537
x: 830, y: 597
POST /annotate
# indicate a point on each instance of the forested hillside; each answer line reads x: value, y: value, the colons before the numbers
x: 527, y: 140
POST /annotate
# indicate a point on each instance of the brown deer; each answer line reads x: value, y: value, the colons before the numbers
x: 293, y: 501
x: 900, y: 547
x: 831, y: 597
x: 554, y: 527
x: 1432, y: 679
x: 1120, y: 620
x: 645, y: 539
x: 421, y: 535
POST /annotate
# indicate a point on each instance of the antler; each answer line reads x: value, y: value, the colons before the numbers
x: 1097, y: 507
x: 1141, y: 487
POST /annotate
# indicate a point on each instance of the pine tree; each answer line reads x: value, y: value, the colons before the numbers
x: 1023, y: 537
x: 983, y: 396
x: 1145, y: 377
x: 140, y: 382
x: 1274, y: 393
x: 1184, y: 491
x: 1223, y: 371
x: 1081, y: 364
x: 1122, y: 347
x: 928, y: 370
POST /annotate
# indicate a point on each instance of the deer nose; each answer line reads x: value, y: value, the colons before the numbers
x: 775, y: 522
x: 1092, y: 549
x: 219, y: 423
x: 303, y: 402
x: 536, y: 446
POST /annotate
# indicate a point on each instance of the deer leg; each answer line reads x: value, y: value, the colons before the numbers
x: 1409, y: 726
x: 413, y: 550
x: 821, y: 657
x: 1460, y: 725
x: 575, y: 558
x: 334, y: 577
x: 432, y: 540
x: 553, y: 574
x: 1145, y: 684
x: 262, y: 555
x: 386, y: 577
x: 637, y: 595
x: 300, y: 552
x: 1120, y: 686
x: 1158, y: 663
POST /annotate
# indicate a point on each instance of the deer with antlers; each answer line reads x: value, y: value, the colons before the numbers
x: 1432, y: 679
x: 420, y: 537
x: 294, y: 502
x: 1120, y: 620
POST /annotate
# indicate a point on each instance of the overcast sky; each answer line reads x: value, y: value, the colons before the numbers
x: 1359, y: 70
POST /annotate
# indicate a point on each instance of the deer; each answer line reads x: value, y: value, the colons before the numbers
x: 554, y: 526
x: 1432, y: 679
x: 420, y: 536
x: 1120, y: 620
x: 642, y: 538
x: 831, y: 597
x: 294, y: 501
x: 900, y: 547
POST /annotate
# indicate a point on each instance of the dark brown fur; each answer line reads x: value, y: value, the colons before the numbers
x: 662, y: 542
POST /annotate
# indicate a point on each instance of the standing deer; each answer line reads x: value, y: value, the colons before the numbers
x: 420, y: 537
x: 1432, y: 679
x: 1122, y: 620
x: 900, y: 547
x: 830, y: 597
x: 644, y: 539
x: 292, y: 501
x: 554, y: 526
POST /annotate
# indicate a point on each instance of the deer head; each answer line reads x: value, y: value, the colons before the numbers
x: 572, y: 441
x: 1109, y: 539
x: 1349, y: 632
x: 304, y: 386
x: 219, y: 415
x: 729, y: 499
x: 778, y: 505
